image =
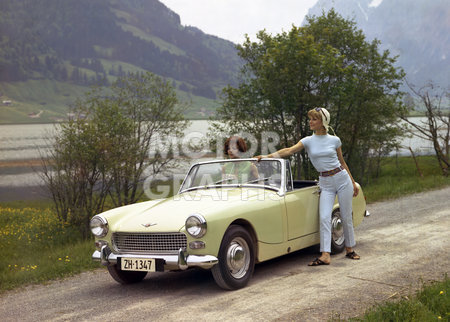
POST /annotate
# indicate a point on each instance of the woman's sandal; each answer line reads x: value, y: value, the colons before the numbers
x: 318, y: 262
x: 352, y: 255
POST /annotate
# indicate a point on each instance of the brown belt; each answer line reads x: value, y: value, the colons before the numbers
x: 331, y: 172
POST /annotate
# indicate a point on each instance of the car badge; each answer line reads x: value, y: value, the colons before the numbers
x: 148, y: 225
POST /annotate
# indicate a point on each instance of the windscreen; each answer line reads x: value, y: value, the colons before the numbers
x: 265, y: 173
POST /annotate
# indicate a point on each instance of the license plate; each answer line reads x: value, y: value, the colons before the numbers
x: 138, y: 264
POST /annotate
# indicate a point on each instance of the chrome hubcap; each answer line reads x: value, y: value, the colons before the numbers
x: 337, y: 229
x: 238, y: 257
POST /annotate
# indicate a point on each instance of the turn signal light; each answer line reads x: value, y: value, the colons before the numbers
x: 198, y: 244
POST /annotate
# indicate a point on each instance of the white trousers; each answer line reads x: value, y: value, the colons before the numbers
x: 341, y: 185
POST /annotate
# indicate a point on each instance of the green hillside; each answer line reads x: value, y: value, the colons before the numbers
x: 52, y: 51
x: 44, y: 101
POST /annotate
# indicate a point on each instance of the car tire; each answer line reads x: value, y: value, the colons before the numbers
x: 337, y: 233
x: 236, y: 259
x: 125, y: 277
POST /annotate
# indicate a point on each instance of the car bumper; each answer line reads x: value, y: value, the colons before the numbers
x: 171, y: 262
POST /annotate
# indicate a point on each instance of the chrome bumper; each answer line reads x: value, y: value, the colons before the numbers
x: 171, y: 262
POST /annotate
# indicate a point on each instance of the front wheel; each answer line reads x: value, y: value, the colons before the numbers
x: 337, y: 233
x: 125, y: 277
x: 236, y: 259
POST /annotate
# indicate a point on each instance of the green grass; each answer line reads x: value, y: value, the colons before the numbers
x: 161, y: 44
x: 399, y: 176
x: 200, y: 108
x: 54, y: 99
x: 37, y: 247
x: 431, y: 303
x: 32, y: 96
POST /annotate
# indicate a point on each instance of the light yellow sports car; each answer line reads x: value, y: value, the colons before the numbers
x: 227, y: 216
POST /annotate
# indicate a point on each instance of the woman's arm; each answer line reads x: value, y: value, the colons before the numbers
x: 254, y: 172
x: 283, y: 153
x: 344, y: 164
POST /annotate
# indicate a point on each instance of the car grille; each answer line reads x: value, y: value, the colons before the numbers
x: 149, y: 242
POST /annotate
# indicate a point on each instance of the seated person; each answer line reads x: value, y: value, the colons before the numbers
x: 241, y: 172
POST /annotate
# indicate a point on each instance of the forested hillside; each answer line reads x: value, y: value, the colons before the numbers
x: 86, y: 42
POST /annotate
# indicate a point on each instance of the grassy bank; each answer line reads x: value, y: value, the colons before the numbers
x: 431, y: 303
x: 399, y: 176
x: 53, y: 98
x: 36, y: 247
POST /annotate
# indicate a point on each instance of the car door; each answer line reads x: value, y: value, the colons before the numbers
x: 302, y: 209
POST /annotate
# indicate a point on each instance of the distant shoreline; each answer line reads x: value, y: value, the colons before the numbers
x: 60, y: 122
x: 23, y: 193
x: 20, y: 163
x: 188, y: 119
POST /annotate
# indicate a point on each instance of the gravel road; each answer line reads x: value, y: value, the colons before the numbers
x: 403, y: 242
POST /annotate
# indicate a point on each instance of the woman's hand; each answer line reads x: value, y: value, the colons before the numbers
x: 355, y: 189
x: 259, y: 157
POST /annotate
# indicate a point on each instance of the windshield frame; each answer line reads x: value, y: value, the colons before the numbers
x: 280, y: 191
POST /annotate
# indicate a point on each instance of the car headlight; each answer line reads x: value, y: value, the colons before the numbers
x: 196, y: 225
x: 99, y: 226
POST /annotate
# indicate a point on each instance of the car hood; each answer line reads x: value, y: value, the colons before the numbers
x: 168, y: 215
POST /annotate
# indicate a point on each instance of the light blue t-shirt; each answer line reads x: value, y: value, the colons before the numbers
x: 321, y: 150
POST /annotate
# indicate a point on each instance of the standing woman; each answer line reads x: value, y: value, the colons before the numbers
x: 325, y: 153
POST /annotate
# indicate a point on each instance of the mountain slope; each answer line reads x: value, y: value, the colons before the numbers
x: 416, y: 30
x: 85, y: 42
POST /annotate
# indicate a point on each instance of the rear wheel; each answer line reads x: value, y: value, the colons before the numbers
x: 125, y: 277
x: 337, y: 233
x: 236, y: 259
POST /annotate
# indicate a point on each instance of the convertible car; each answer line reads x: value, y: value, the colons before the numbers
x: 227, y: 216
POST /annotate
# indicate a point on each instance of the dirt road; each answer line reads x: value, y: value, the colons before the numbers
x: 403, y: 242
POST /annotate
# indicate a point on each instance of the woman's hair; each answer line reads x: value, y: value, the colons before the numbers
x: 315, y: 114
x: 240, y: 143
x: 321, y: 114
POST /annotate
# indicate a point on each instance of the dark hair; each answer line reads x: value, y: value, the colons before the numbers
x: 240, y: 143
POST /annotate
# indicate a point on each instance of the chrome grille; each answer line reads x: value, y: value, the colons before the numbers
x: 149, y: 242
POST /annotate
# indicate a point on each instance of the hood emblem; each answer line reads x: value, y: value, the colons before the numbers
x: 149, y: 224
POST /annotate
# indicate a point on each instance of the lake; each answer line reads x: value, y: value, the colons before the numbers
x: 20, y: 143
x: 24, y: 141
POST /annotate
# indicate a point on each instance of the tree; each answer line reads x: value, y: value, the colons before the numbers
x: 362, y: 93
x: 151, y: 103
x: 104, y: 148
x: 326, y: 63
x: 77, y: 169
x: 436, y: 128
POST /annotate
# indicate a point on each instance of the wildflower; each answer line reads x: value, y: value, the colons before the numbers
x: 441, y: 292
x: 60, y: 259
x: 439, y: 318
